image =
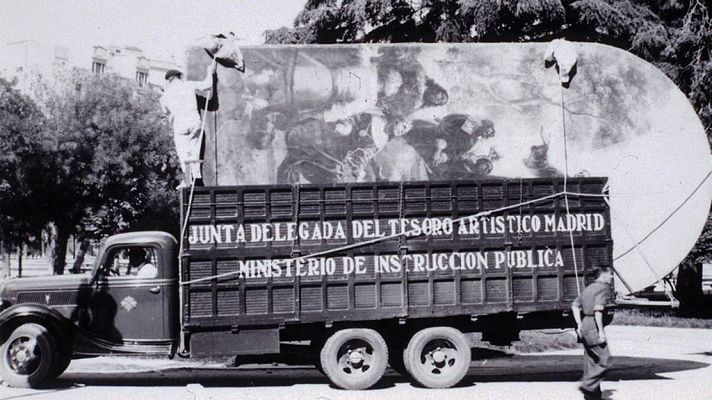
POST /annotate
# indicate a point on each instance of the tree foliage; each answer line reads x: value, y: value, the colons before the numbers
x: 675, y: 35
x: 110, y: 163
x: 21, y: 158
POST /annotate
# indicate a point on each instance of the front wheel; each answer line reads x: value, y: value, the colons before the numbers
x: 354, y: 358
x: 28, y: 356
x: 60, y: 364
x: 437, y: 357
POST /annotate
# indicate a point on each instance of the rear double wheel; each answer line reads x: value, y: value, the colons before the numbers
x: 437, y: 357
x: 354, y: 358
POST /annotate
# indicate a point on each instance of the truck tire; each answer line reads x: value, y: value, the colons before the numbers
x: 437, y: 357
x: 28, y: 356
x: 354, y: 359
x: 60, y: 364
x: 315, y: 347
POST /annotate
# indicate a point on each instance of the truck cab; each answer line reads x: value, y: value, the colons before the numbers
x: 127, y: 304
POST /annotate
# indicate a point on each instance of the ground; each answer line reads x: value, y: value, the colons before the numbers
x: 649, y: 363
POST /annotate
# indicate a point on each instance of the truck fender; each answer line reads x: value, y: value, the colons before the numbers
x: 18, y: 314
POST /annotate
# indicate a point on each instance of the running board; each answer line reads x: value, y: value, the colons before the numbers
x: 92, y: 346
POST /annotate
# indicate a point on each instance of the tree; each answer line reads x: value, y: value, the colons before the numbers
x: 110, y: 160
x: 21, y: 161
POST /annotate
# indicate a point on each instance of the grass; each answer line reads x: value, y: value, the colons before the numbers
x: 554, y: 339
x: 534, y: 341
x: 665, y: 318
x: 545, y: 340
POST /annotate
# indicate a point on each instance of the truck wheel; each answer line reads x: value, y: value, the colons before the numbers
x: 61, y: 363
x: 437, y: 357
x: 28, y: 356
x: 315, y: 347
x: 354, y: 358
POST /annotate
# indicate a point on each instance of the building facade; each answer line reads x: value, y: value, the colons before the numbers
x: 27, y: 60
x: 131, y: 63
x: 30, y: 58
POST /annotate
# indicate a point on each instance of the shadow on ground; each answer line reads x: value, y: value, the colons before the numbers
x: 487, y: 366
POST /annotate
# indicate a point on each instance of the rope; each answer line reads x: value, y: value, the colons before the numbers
x: 397, y: 235
x: 181, y: 345
x: 664, y: 221
x: 630, y: 234
x: 566, y: 197
x: 205, y: 115
x: 192, y: 177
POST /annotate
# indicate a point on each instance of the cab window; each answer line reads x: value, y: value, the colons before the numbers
x: 134, y: 261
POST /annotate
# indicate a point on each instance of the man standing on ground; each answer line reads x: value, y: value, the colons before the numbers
x: 592, y: 302
x: 179, y: 99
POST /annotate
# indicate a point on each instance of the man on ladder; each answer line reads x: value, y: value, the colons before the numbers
x: 180, y: 99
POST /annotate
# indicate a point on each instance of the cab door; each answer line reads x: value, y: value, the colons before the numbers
x: 125, y: 305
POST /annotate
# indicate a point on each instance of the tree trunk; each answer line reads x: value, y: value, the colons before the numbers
x: 4, y: 260
x: 689, y: 288
x: 51, y: 234
x: 79, y: 256
x: 59, y: 249
x: 19, y: 260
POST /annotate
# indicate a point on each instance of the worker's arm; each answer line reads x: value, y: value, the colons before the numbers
x: 576, y: 311
x: 598, y: 316
x: 207, y: 83
x: 600, y: 301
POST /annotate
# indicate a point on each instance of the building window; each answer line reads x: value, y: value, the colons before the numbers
x: 97, y: 67
x: 141, y: 78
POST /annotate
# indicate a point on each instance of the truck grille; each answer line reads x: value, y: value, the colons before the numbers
x: 49, y: 298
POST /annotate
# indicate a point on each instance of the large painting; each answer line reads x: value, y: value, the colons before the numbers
x: 407, y: 112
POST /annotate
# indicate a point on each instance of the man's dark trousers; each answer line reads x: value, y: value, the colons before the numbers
x: 595, y: 364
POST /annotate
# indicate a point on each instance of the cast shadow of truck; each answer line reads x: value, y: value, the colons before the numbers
x: 487, y: 366
x: 96, y: 311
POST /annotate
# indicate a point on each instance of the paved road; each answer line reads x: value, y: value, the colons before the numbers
x: 649, y: 363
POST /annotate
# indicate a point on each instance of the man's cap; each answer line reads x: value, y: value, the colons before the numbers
x: 173, y: 73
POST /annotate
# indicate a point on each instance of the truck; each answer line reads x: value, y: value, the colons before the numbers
x: 377, y: 203
x: 366, y: 274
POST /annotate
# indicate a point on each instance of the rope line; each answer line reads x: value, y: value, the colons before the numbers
x: 664, y: 221
x: 181, y: 305
x: 410, y: 232
x: 566, y: 197
x: 640, y: 251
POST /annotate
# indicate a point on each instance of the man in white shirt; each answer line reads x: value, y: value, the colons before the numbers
x: 140, y: 263
x: 179, y: 99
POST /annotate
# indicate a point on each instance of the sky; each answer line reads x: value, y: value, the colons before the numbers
x: 161, y: 28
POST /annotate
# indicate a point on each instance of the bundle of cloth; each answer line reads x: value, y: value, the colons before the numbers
x: 223, y: 48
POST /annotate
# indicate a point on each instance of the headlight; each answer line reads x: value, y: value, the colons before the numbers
x: 4, y: 304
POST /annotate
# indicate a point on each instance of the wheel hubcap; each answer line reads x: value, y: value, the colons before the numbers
x: 23, y: 355
x: 439, y: 356
x: 355, y: 357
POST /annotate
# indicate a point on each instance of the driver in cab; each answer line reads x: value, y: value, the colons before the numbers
x: 140, y: 263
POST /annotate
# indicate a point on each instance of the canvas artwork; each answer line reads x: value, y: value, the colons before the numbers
x: 419, y: 112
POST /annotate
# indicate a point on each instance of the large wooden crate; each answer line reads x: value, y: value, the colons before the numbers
x: 476, y: 285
